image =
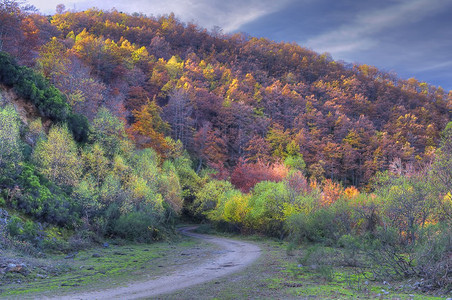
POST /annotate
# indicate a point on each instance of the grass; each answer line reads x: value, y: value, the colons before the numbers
x: 281, y: 272
x: 116, y: 265
x: 278, y: 274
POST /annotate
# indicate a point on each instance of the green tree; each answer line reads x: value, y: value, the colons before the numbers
x: 109, y: 132
x: 57, y: 157
x: 10, y: 152
x: 87, y: 197
x: 209, y: 196
x: 441, y: 175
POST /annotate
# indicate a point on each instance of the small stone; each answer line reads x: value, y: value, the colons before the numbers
x: 106, y: 245
x: 21, y: 269
x: 366, y: 282
x: 71, y: 256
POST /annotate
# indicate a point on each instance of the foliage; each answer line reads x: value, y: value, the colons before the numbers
x: 33, y: 87
x: 141, y: 226
x: 150, y: 126
x: 10, y: 144
x: 57, y: 157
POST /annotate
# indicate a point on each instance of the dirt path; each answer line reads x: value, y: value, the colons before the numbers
x: 235, y: 255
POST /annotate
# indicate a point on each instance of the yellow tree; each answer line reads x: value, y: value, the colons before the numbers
x: 150, y: 129
x: 52, y: 59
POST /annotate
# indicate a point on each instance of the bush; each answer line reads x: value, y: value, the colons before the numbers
x: 44, y: 201
x: 321, y: 260
x: 433, y: 257
x: 388, y: 258
x: 139, y: 226
x: 26, y: 231
x: 317, y: 226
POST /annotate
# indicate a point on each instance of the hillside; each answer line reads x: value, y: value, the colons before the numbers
x: 232, y: 99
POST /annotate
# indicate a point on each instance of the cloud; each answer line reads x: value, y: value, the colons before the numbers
x: 434, y: 67
x: 228, y: 14
x: 361, y: 33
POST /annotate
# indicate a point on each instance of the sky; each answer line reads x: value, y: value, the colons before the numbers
x: 412, y: 38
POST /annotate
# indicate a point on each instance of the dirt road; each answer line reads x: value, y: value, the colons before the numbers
x: 235, y: 256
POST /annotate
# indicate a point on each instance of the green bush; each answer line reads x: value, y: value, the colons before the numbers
x: 317, y: 226
x: 139, y: 226
x: 43, y: 200
x: 321, y: 260
x: 48, y: 99
x: 433, y: 257
x: 15, y: 226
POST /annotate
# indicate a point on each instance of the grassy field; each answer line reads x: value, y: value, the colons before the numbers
x: 280, y: 273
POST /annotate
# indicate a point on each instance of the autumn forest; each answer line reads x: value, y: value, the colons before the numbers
x: 129, y: 123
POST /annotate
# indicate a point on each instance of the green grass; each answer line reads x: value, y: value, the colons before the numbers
x: 277, y: 274
x: 117, y: 265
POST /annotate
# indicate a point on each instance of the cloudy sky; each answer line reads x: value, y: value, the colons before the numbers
x: 412, y: 38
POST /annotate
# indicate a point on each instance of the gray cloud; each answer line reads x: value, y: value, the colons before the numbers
x: 229, y: 15
x: 362, y: 32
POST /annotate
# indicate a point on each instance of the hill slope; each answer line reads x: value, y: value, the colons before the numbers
x: 231, y: 98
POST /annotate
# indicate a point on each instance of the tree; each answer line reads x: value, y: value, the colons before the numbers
x: 408, y: 204
x: 57, y: 157
x: 209, y: 196
x: 441, y: 175
x: 11, y: 16
x: 149, y: 128
x: 109, y: 132
x: 52, y: 59
x: 95, y: 164
x: 178, y: 113
x: 10, y: 150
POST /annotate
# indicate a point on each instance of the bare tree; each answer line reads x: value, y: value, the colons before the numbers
x: 178, y: 114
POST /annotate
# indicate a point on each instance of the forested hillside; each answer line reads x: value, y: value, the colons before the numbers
x: 233, y: 101
x: 141, y: 119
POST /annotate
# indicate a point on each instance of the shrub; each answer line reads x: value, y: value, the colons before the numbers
x: 140, y: 226
x: 318, y: 226
x: 433, y: 257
